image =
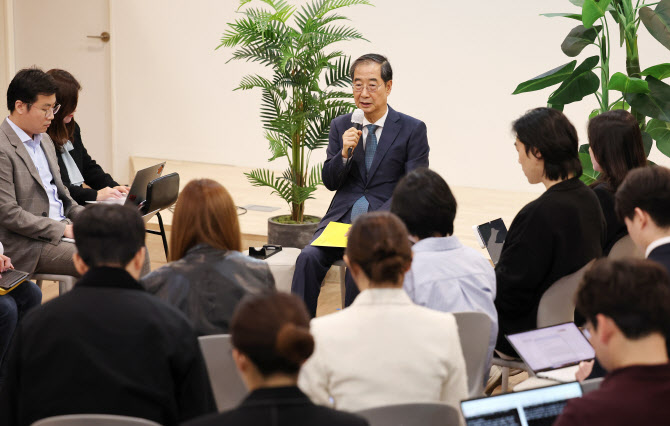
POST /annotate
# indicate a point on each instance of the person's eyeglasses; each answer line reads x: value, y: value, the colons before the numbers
x: 48, y: 110
x: 372, y: 87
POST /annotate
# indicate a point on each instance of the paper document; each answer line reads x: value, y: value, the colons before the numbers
x: 335, y: 235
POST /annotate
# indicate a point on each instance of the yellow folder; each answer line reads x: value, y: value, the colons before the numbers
x: 335, y: 235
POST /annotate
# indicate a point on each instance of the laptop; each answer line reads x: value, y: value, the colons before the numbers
x: 138, y: 190
x: 492, y: 236
x: 10, y: 279
x: 553, y: 352
x: 539, y: 406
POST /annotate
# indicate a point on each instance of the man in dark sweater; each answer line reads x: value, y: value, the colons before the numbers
x: 106, y: 347
x: 626, y: 304
x: 552, y: 236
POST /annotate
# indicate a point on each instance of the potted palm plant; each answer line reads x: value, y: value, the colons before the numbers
x: 301, y: 98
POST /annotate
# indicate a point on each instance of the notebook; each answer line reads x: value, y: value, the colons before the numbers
x: 553, y: 352
x: 492, y: 236
x: 532, y: 407
x: 10, y: 279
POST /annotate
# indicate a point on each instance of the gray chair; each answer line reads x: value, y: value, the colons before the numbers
x: 412, y: 415
x: 65, y: 282
x: 474, y: 330
x: 623, y: 248
x: 94, y: 420
x: 591, y: 385
x: 227, y: 386
x: 557, y: 306
x: 343, y: 271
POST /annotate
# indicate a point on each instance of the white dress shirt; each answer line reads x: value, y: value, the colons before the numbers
x: 655, y: 244
x: 384, y: 350
x: 34, y: 147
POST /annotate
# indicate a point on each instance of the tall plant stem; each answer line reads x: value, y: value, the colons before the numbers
x: 296, y: 143
x: 633, y: 70
x: 605, y: 67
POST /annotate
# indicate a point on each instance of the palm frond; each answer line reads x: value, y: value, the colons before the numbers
x: 338, y: 75
x: 255, y: 81
x: 278, y: 146
x: 315, y: 176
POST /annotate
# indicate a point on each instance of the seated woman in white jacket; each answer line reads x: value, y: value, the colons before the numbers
x: 383, y: 349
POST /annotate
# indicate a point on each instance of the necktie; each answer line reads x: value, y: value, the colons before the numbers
x: 362, y: 204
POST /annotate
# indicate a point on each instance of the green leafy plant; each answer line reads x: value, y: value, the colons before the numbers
x: 304, y: 93
x: 647, y: 98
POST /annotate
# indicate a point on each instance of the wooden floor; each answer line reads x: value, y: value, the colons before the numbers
x: 475, y: 206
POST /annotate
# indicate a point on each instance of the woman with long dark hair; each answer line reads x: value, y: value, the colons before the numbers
x: 76, y: 165
x: 208, y: 275
x: 615, y: 146
x: 271, y: 340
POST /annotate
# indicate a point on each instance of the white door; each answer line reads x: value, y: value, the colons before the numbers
x: 53, y: 34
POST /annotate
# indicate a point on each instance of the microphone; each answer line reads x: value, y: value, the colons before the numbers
x: 357, y: 123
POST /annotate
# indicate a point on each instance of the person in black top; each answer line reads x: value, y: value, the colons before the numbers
x: 107, y: 346
x: 76, y: 165
x: 271, y: 340
x: 615, y: 146
x: 552, y: 236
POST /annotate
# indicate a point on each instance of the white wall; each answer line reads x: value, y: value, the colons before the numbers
x: 455, y: 65
x: 5, y: 58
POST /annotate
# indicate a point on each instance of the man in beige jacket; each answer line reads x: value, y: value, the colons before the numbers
x: 35, y: 207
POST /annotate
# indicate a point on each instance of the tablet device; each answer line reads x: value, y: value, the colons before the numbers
x: 532, y: 407
x: 492, y: 236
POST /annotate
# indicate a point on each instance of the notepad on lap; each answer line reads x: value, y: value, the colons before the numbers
x: 11, y: 279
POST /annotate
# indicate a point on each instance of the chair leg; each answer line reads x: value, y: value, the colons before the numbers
x: 343, y: 271
x: 160, y: 224
x: 505, y: 379
x: 39, y: 284
x: 65, y: 286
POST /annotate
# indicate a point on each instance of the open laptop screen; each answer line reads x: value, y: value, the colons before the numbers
x: 526, y: 408
x: 552, y: 347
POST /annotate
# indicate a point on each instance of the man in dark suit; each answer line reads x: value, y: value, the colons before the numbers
x: 107, y: 346
x: 391, y: 144
x: 643, y: 204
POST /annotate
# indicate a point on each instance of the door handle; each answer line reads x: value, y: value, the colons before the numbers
x: 104, y: 36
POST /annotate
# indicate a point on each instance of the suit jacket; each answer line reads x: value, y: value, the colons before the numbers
x: 661, y: 254
x: 384, y: 350
x: 93, y: 174
x: 283, y: 406
x: 551, y: 237
x: 402, y: 147
x: 106, y: 347
x: 25, y: 225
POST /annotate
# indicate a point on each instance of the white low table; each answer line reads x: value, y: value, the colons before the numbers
x: 282, y: 266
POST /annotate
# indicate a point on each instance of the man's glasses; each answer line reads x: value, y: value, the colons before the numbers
x: 48, y: 110
x: 372, y: 87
